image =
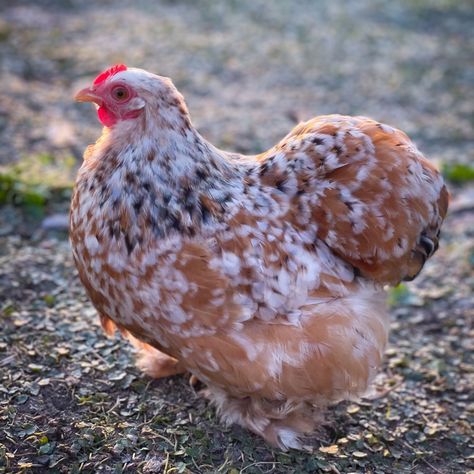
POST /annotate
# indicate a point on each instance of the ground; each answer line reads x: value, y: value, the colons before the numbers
x: 71, y: 400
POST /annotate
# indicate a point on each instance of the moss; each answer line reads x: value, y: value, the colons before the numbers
x: 458, y: 172
x: 35, y: 181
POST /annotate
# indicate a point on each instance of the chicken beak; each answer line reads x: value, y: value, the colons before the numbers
x: 88, y: 95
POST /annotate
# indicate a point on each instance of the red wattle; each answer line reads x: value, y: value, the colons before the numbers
x: 106, y: 117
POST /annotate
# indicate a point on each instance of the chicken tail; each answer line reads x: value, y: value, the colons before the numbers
x: 428, y: 241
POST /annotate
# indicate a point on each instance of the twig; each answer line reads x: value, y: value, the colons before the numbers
x: 165, y: 469
x: 7, y: 360
x: 384, y: 392
x: 259, y: 464
x: 409, y: 446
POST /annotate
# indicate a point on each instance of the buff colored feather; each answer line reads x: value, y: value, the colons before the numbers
x: 261, y: 275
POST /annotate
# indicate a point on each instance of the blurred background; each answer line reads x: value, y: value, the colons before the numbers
x: 249, y: 70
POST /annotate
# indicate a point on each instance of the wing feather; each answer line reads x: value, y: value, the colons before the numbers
x: 380, y: 202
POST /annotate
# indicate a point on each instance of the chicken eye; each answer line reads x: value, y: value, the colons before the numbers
x: 120, y: 93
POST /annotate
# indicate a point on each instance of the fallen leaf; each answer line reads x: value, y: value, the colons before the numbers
x: 351, y: 409
x: 333, y: 449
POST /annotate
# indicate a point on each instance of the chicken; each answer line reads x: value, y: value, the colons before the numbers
x: 263, y: 276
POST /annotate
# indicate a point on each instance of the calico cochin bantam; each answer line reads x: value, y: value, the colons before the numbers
x: 263, y: 276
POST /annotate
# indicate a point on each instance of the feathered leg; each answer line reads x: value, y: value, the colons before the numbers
x: 156, y: 364
x: 151, y: 361
x: 280, y: 423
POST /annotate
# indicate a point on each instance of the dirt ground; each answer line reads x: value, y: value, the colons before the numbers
x: 71, y: 400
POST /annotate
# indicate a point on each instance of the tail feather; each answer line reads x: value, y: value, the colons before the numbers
x: 428, y: 241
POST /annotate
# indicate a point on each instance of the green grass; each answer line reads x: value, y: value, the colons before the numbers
x: 458, y: 172
x: 35, y: 181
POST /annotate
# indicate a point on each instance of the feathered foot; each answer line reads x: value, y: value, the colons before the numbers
x: 156, y: 364
x: 150, y: 360
x: 282, y: 424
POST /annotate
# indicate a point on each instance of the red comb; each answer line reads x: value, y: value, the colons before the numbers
x: 109, y: 72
